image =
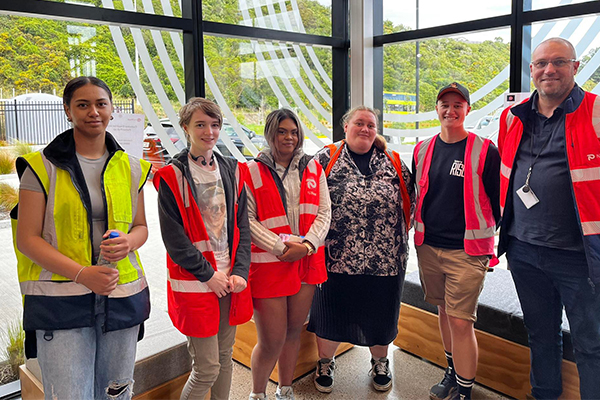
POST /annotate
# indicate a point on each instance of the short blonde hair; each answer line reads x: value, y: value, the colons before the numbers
x: 199, y: 103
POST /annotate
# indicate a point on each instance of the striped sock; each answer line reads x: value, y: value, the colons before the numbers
x: 450, y: 364
x: 464, y: 387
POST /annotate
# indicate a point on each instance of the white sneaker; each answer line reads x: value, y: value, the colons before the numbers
x: 284, y: 393
x: 257, y: 396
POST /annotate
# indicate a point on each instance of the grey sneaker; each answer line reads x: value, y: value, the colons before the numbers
x: 284, y: 393
x: 382, y: 376
x: 324, y: 375
x: 446, y: 389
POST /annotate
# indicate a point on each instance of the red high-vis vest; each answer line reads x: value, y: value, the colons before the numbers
x: 270, y: 277
x: 335, y: 149
x: 582, y: 135
x: 479, y: 218
x: 193, y: 307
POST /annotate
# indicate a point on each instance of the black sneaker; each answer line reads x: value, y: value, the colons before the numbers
x: 380, y: 371
x: 324, y: 375
x: 447, y: 388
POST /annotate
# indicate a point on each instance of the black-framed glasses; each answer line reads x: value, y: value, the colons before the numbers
x: 558, y: 63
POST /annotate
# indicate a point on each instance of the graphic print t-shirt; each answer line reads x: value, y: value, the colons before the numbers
x: 443, y: 207
x: 210, y: 197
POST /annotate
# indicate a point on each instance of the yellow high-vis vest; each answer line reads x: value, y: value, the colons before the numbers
x: 52, y: 301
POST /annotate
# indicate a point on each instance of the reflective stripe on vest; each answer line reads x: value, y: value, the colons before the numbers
x: 66, y: 226
x: 583, y: 175
x: 193, y: 307
x: 582, y: 133
x: 272, y: 216
x: 480, y: 225
x: 198, y: 234
x: 187, y: 285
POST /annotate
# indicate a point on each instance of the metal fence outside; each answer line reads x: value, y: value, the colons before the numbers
x: 38, y: 122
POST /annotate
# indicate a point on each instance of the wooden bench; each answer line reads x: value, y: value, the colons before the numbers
x: 245, y: 340
x: 503, y: 352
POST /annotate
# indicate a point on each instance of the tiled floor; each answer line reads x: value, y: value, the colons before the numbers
x: 413, y: 378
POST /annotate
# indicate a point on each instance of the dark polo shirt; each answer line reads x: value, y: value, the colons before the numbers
x: 553, y: 221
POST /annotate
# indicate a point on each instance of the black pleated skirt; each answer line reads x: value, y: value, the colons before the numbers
x: 359, y: 309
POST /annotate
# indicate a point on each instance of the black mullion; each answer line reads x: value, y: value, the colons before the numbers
x: 193, y: 49
x: 567, y: 11
x: 516, y: 47
x: 340, y: 66
x: 445, y: 30
x: 94, y: 15
x: 378, y: 60
x: 247, y: 32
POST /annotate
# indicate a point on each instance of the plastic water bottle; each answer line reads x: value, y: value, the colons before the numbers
x: 101, y: 260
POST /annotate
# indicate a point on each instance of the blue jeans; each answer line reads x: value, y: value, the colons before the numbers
x: 546, y: 280
x: 86, y: 363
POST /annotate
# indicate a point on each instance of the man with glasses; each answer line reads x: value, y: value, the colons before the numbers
x: 550, y: 191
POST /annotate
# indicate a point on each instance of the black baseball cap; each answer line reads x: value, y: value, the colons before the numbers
x: 456, y: 88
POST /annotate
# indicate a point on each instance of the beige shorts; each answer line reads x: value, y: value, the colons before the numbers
x: 453, y: 279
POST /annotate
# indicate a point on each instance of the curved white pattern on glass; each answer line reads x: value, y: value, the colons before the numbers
x: 288, y: 66
x: 309, y: 49
x: 582, y: 32
x: 164, y: 56
x: 289, y: 59
x: 230, y: 117
x: 276, y: 62
x: 175, y: 38
x: 140, y: 93
x: 288, y: 25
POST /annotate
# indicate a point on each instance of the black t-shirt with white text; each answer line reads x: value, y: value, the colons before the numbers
x: 443, y: 210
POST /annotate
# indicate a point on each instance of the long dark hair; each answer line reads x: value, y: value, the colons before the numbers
x: 78, y: 82
x: 272, y: 125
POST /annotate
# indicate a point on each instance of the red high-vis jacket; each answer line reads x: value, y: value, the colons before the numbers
x: 479, y: 218
x: 582, y: 134
x: 270, y: 277
x: 193, y: 308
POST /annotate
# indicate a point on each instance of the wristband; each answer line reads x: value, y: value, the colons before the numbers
x: 77, y: 276
x: 310, y: 248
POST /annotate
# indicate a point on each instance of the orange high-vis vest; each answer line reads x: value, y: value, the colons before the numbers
x: 582, y: 135
x: 335, y: 149
x: 193, y: 307
x: 480, y: 225
x: 270, y: 277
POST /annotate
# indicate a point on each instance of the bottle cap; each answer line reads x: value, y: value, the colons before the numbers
x: 113, y: 235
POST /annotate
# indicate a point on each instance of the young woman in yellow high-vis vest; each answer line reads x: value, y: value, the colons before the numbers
x: 289, y: 212
x: 82, y: 319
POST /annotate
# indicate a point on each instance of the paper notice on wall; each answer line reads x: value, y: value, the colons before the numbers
x: 515, y: 98
x: 128, y: 129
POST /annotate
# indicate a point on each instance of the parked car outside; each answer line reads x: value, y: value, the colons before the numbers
x: 158, y: 155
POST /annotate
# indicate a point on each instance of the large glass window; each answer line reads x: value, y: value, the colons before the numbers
x: 412, y: 14
x: 303, y: 16
x: 479, y: 61
x: 250, y: 78
x: 584, y: 34
x: 538, y: 4
x: 159, y: 7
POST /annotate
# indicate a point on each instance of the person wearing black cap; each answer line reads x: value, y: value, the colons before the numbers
x: 457, y: 175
